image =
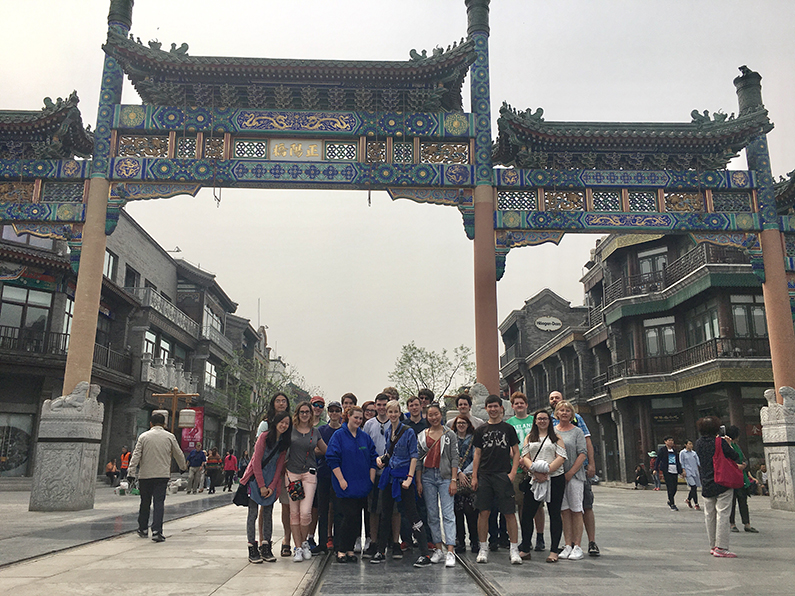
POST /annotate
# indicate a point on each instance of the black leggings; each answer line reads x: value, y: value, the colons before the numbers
x: 351, y: 523
x: 530, y: 508
x: 229, y: 478
x: 409, y: 510
x: 465, y: 512
x: 693, y: 495
x: 740, y: 499
x: 671, y: 483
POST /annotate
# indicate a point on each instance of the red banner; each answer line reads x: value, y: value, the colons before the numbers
x: 193, y: 436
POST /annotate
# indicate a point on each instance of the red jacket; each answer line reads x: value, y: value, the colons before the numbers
x: 230, y: 463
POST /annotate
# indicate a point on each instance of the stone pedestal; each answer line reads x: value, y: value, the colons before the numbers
x: 67, y: 452
x: 778, y: 437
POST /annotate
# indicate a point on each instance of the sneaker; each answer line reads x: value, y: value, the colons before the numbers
x: 673, y: 507
x: 564, y: 554
x: 423, y: 561
x: 330, y: 543
x: 474, y: 548
x: 752, y: 530
x: 307, y: 550
x: 593, y: 550
x: 311, y: 541
x: 540, y: 544
x: 483, y: 556
x: 367, y: 543
x: 320, y: 549
x: 298, y: 555
x: 370, y: 551
x: 357, y: 548
x: 437, y: 556
x: 516, y: 559
x: 688, y: 503
x: 460, y: 548
x: 266, y: 552
x: 494, y: 546
x: 377, y: 558
x: 723, y: 553
x: 253, y: 554
x: 697, y: 508
x: 158, y: 537
x: 576, y: 554
x: 449, y: 559
x: 143, y: 533
x: 735, y: 529
x: 397, y: 552
x: 712, y: 551
x: 404, y: 546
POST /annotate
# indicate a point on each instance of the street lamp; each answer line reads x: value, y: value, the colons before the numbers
x: 187, y: 417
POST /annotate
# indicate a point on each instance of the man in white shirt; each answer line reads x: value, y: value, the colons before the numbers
x: 151, y: 464
x: 464, y: 404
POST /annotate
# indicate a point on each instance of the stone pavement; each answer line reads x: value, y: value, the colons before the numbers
x: 25, y: 534
x: 646, y: 547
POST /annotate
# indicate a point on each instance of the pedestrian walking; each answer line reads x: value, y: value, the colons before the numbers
x: 196, y: 459
x: 230, y: 468
x: 668, y: 463
x: 151, y: 465
x: 692, y: 468
x: 213, y: 469
x: 740, y: 497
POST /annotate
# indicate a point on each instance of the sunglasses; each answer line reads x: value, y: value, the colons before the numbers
x: 321, y: 406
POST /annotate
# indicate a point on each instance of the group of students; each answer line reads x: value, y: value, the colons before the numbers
x: 407, y: 476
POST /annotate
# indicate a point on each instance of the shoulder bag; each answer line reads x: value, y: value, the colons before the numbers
x: 726, y: 471
x: 465, y: 491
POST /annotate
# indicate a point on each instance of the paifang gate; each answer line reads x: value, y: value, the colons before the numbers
x: 398, y: 126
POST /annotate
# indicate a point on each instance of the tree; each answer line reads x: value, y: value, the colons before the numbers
x: 417, y: 368
x: 252, y: 382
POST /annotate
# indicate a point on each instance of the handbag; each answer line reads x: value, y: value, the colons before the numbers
x: 465, y: 491
x: 727, y: 473
x: 525, y: 484
x: 241, y: 496
x: 295, y: 488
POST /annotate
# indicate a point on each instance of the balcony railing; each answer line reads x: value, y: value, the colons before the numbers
x: 599, y: 384
x: 656, y: 281
x: 510, y: 354
x: 17, y: 339
x: 113, y: 360
x: 214, y: 396
x: 596, y: 316
x: 26, y: 340
x: 713, y: 349
x: 150, y: 297
x: 217, y: 338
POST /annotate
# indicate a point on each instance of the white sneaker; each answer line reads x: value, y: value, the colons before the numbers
x: 357, y: 548
x: 307, y: 551
x: 483, y: 555
x: 576, y: 554
x: 564, y: 554
x: 298, y: 555
x: 437, y: 556
x: 516, y: 559
x: 449, y: 559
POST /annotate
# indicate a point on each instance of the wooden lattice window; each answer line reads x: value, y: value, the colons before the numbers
x: 517, y: 200
x: 140, y: 146
x: 446, y: 153
x: 564, y: 200
x: 340, y: 151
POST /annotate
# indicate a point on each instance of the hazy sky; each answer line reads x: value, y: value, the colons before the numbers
x: 343, y: 285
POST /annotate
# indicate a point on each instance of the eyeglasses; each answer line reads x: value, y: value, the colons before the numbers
x: 318, y: 405
x: 304, y: 412
x: 369, y: 411
x: 334, y: 410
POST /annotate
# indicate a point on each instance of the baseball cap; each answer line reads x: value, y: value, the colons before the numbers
x: 317, y: 399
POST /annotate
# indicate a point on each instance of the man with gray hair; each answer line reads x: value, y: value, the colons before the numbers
x: 151, y: 464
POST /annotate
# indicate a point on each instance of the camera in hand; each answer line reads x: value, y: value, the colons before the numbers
x: 385, y: 459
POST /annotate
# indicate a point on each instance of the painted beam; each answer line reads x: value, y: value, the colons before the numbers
x: 262, y: 123
x: 516, y: 179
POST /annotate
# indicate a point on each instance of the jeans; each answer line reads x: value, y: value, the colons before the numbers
x: 671, y: 484
x: 409, y: 509
x: 717, y: 518
x: 251, y: 522
x: 153, y: 491
x: 557, y: 488
x: 436, y: 490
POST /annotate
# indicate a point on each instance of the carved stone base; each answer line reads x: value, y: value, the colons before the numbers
x: 778, y: 437
x: 67, y: 452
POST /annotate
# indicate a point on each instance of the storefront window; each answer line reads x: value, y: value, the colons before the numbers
x: 16, y: 432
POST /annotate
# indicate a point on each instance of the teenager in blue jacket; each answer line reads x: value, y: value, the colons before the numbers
x: 352, y: 459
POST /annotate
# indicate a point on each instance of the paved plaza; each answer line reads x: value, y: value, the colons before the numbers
x: 646, y: 547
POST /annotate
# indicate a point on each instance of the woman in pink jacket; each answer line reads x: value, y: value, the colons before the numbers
x: 263, y: 476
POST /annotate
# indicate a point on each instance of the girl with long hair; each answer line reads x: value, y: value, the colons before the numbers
x: 464, y: 503
x: 543, y: 454
x: 263, y: 476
